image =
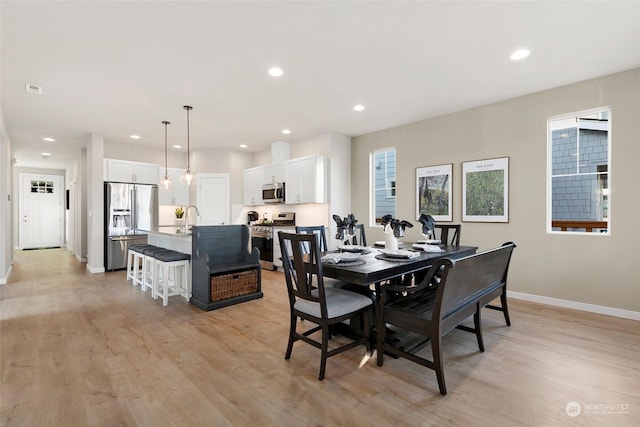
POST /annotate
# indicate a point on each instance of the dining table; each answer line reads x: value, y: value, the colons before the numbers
x: 373, y: 267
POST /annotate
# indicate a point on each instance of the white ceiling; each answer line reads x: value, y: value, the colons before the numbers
x: 118, y: 68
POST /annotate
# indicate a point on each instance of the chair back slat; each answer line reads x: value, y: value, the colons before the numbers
x: 318, y: 231
x: 449, y: 234
x: 302, y: 267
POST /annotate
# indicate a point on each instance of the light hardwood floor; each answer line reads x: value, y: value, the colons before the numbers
x: 80, y: 349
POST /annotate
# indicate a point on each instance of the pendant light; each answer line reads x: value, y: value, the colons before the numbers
x: 165, y: 182
x: 188, y: 177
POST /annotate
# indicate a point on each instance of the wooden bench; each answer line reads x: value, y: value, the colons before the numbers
x: 224, y: 271
x: 466, y: 286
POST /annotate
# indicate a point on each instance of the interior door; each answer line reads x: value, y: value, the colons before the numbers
x: 41, y: 211
x: 213, y: 200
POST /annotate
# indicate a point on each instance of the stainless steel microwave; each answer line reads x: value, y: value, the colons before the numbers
x: 273, y: 193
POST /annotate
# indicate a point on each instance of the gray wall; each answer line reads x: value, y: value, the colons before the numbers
x: 592, y: 269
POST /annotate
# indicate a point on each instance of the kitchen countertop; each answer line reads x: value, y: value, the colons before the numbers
x: 171, y: 230
x: 166, y: 237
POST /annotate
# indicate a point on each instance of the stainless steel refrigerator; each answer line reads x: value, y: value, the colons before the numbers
x: 130, y: 211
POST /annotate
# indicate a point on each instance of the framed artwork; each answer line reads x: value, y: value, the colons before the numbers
x: 485, y: 190
x: 433, y: 192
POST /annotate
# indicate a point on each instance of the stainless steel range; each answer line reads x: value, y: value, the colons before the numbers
x: 263, y: 237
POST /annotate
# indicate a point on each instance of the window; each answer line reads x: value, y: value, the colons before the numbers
x: 383, y: 184
x: 579, y: 149
x: 42, y: 187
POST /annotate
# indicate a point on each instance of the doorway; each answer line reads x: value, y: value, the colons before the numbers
x: 41, y: 211
x: 213, y: 198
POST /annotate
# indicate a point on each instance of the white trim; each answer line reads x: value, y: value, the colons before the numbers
x: 3, y: 281
x: 592, y: 308
x: 94, y: 270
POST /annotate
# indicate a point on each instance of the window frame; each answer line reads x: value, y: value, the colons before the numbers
x: 550, y: 175
x: 390, y: 192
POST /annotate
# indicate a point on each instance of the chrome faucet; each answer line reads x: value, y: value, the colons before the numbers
x: 186, y: 216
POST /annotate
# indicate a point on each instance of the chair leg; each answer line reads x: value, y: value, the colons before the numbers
x: 478, y: 326
x: 380, y: 337
x: 165, y: 284
x: 366, y: 318
x: 324, y: 350
x: 292, y: 331
x: 505, y: 308
x: 437, y: 362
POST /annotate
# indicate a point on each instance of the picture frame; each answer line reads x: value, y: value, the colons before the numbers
x: 485, y: 190
x: 433, y: 192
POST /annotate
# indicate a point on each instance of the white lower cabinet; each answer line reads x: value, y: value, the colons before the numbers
x: 277, y: 255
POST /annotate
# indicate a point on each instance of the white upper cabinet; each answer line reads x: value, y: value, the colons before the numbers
x: 126, y: 171
x: 274, y: 173
x: 253, y: 181
x: 178, y: 193
x: 306, y: 180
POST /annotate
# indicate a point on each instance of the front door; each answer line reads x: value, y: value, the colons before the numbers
x: 41, y: 210
x: 213, y: 199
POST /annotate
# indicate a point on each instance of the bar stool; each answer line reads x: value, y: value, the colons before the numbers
x: 148, y: 268
x: 135, y: 258
x: 171, y: 275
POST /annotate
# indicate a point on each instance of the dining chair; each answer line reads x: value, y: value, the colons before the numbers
x: 449, y: 234
x: 318, y: 230
x: 360, y: 238
x: 311, y: 301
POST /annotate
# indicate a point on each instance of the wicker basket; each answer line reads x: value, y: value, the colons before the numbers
x: 233, y: 284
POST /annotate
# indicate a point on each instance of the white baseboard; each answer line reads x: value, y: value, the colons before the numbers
x: 3, y: 281
x: 94, y: 270
x: 592, y: 308
x: 80, y: 259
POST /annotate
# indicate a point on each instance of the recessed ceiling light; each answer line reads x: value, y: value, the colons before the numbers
x: 359, y: 107
x: 177, y: 146
x: 49, y: 139
x: 243, y: 145
x: 286, y: 131
x: 45, y: 155
x: 134, y: 136
x: 275, y: 72
x: 519, y: 54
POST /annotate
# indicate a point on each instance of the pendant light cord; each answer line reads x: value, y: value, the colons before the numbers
x: 166, y: 151
x: 187, y: 107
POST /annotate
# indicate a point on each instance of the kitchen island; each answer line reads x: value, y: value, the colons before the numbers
x: 168, y: 237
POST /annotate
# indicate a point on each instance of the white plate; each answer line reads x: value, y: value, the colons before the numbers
x: 427, y: 247
x: 429, y: 242
x: 337, y: 257
x: 352, y: 248
x: 398, y: 253
x: 382, y: 244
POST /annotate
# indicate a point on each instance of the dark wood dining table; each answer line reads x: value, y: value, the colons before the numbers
x: 375, y: 270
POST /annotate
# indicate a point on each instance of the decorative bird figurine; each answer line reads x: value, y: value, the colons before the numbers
x: 346, y: 227
x: 428, y: 224
x: 396, y: 225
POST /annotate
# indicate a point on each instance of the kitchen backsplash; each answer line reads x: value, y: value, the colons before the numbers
x: 167, y: 216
